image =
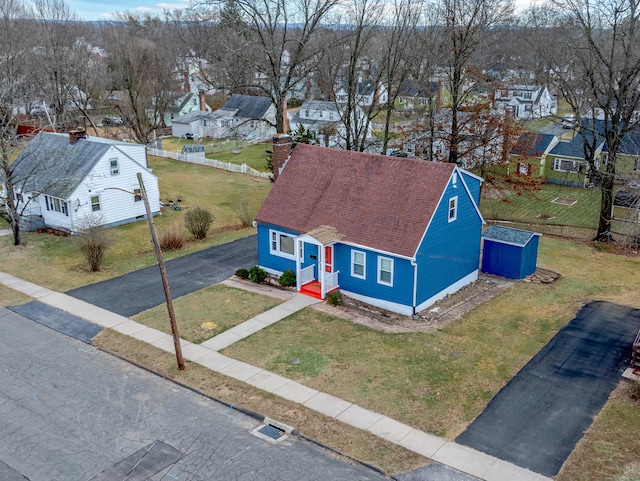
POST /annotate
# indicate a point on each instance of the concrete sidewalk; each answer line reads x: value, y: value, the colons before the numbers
x: 461, y: 458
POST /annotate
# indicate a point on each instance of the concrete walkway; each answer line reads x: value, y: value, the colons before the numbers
x: 461, y: 458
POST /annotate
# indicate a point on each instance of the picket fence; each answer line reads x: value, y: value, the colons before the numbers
x: 202, y: 160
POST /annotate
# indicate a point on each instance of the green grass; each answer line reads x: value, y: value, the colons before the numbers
x: 240, y: 152
x: 439, y: 382
x: 208, y: 312
x: 253, y: 155
x: 537, y: 207
x: 216, y: 190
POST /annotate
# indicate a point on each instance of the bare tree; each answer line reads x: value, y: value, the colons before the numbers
x: 282, y: 33
x: 144, y: 74
x: 16, y: 30
x: 466, y: 25
x: 602, y: 80
x: 401, y: 54
x: 56, y: 59
x: 361, y: 69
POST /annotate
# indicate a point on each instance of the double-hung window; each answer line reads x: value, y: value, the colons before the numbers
x: 113, y: 165
x: 282, y: 244
x: 358, y: 260
x: 385, y: 271
x: 453, y: 209
x: 95, y: 203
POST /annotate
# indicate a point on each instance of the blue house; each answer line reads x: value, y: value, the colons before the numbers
x: 396, y: 233
x: 509, y: 252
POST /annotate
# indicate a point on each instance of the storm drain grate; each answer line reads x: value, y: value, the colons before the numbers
x: 271, y: 431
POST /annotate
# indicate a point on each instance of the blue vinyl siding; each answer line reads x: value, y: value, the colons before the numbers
x: 474, y: 185
x: 402, y: 290
x: 449, y: 250
x: 512, y: 262
x: 265, y: 258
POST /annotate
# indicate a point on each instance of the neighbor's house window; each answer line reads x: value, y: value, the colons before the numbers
x: 56, y: 205
x: 282, y: 244
x: 95, y: 203
x: 636, y: 163
x: 453, y: 208
x: 113, y: 163
x: 385, y: 271
x: 562, y: 165
x: 137, y: 195
x: 357, y: 264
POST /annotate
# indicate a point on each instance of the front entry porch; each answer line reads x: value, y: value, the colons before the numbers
x: 315, y: 273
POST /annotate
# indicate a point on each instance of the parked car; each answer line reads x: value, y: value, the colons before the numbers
x: 112, y: 121
x: 568, y: 121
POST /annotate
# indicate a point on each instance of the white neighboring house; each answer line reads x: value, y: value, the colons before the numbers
x: 183, y: 105
x: 526, y: 101
x: 72, y: 179
x: 324, y: 118
x: 243, y: 116
x: 369, y: 93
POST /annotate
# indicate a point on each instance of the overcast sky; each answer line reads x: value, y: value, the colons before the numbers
x: 104, y: 10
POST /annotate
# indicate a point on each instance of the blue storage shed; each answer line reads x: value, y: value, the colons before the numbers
x: 509, y: 252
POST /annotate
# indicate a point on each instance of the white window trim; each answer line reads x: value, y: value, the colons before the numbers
x: 364, y: 264
x: 380, y: 281
x: 55, y: 204
x: 277, y: 251
x: 452, y: 217
x: 575, y: 165
x: 114, y: 170
x: 99, y: 203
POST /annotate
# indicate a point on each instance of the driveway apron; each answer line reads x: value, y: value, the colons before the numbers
x: 536, y: 420
x: 140, y: 290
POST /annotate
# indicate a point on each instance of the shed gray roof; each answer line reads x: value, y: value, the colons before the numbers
x: 508, y: 235
x: 50, y: 164
x: 248, y: 106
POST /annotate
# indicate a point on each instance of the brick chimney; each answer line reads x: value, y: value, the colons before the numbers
x: 203, y: 101
x: 281, y: 152
x: 187, y: 85
x: 75, y: 135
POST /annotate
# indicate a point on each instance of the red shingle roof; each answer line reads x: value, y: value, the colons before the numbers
x: 372, y: 200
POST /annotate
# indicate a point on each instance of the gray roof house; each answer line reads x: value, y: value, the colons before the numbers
x: 243, y: 116
x: 66, y: 181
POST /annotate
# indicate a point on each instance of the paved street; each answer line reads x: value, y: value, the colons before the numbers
x: 140, y: 290
x: 69, y: 412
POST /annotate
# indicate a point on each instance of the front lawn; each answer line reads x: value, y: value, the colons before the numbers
x: 208, y: 312
x: 439, y: 382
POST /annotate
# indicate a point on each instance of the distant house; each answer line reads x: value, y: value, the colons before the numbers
x: 243, y: 116
x: 73, y: 179
x: 415, y: 95
x: 529, y: 154
x: 183, y: 105
x: 325, y: 119
x: 393, y: 232
x: 526, y: 101
x: 369, y: 93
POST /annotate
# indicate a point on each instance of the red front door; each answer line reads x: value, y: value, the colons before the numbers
x: 328, y: 259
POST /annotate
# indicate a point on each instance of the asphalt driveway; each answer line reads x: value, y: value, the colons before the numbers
x: 140, y: 290
x: 536, y: 420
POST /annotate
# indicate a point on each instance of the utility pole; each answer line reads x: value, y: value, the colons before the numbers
x: 163, y: 275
